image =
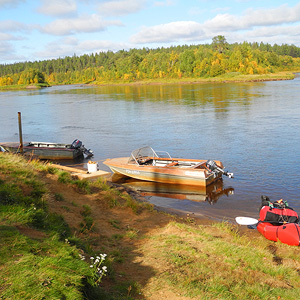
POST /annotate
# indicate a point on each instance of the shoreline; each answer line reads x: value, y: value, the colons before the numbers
x: 288, y: 75
x: 227, y: 78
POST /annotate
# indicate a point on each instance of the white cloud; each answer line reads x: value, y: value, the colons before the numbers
x: 6, y: 37
x: 7, y: 53
x: 279, y: 15
x: 84, y: 23
x: 10, y: 25
x: 275, y: 34
x: 164, y: 3
x: 120, y: 7
x: 71, y: 46
x: 58, y: 7
x: 5, y: 49
x: 10, y: 3
x: 253, y: 18
x: 170, y: 32
x: 221, y: 24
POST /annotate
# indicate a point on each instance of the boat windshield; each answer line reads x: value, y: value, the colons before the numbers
x: 146, y: 153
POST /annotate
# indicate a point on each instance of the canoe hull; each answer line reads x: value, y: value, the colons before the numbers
x: 288, y: 233
x: 170, y: 175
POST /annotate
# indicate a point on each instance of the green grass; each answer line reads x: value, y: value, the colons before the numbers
x: 217, y: 262
x: 46, y: 268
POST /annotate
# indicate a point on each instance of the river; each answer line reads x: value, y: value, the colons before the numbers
x: 253, y: 128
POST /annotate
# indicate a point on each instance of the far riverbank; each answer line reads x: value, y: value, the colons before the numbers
x: 226, y: 78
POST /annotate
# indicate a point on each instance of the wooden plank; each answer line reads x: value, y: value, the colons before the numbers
x: 69, y: 169
x: 83, y: 174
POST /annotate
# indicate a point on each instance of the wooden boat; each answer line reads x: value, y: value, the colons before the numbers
x: 146, y: 164
x: 44, y: 150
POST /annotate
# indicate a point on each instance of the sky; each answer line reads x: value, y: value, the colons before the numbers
x: 35, y: 30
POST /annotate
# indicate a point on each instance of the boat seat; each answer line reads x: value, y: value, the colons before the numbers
x: 144, y: 161
x: 174, y: 163
x: 202, y: 164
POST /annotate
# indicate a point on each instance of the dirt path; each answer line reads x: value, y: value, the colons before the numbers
x: 138, y: 264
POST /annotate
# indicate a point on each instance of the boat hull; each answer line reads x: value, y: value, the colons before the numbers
x: 44, y: 152
x: 288, y: 233
x: 170, y: 175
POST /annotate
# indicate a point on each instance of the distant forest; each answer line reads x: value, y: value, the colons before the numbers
x: 194, y: 61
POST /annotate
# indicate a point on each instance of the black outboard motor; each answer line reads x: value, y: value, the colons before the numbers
x: 213, y: 167
x: 76, y: 144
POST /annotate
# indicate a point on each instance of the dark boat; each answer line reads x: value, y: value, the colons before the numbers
x: 44, y: 150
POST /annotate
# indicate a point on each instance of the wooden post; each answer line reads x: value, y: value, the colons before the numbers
x: 20, y: 133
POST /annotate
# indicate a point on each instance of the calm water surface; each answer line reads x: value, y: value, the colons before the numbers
x: 253, y: 128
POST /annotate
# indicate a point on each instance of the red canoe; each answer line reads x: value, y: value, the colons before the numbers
x: 287, y: 233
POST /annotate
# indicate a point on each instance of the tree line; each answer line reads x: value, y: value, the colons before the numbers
x: 188, y: 61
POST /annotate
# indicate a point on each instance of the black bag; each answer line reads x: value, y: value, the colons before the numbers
x: 277, y: 212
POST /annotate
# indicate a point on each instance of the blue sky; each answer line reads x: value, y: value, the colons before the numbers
x: 45, y: 29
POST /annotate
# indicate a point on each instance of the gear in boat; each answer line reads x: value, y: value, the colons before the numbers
x: 147, y: 156
x: 279, y: 222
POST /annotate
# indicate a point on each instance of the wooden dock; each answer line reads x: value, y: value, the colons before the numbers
x: 83, y: 174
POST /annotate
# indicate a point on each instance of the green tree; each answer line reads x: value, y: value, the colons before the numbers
x: 219, y: 43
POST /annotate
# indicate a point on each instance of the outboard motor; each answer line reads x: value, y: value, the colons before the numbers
x: 76, y: 144
x: 212, y: 165
x: 214, y: 168
x: 88, y: 153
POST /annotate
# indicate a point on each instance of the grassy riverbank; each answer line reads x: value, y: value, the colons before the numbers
x: 35, y: 86
x: 49, y: 221
x: 228, y: 77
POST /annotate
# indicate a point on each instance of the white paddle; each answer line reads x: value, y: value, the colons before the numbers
x: 246, y: 221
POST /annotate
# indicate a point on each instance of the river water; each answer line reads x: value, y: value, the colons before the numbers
x: 253, y: 128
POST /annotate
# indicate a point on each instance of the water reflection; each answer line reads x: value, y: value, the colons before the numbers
x: 210, y: 194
